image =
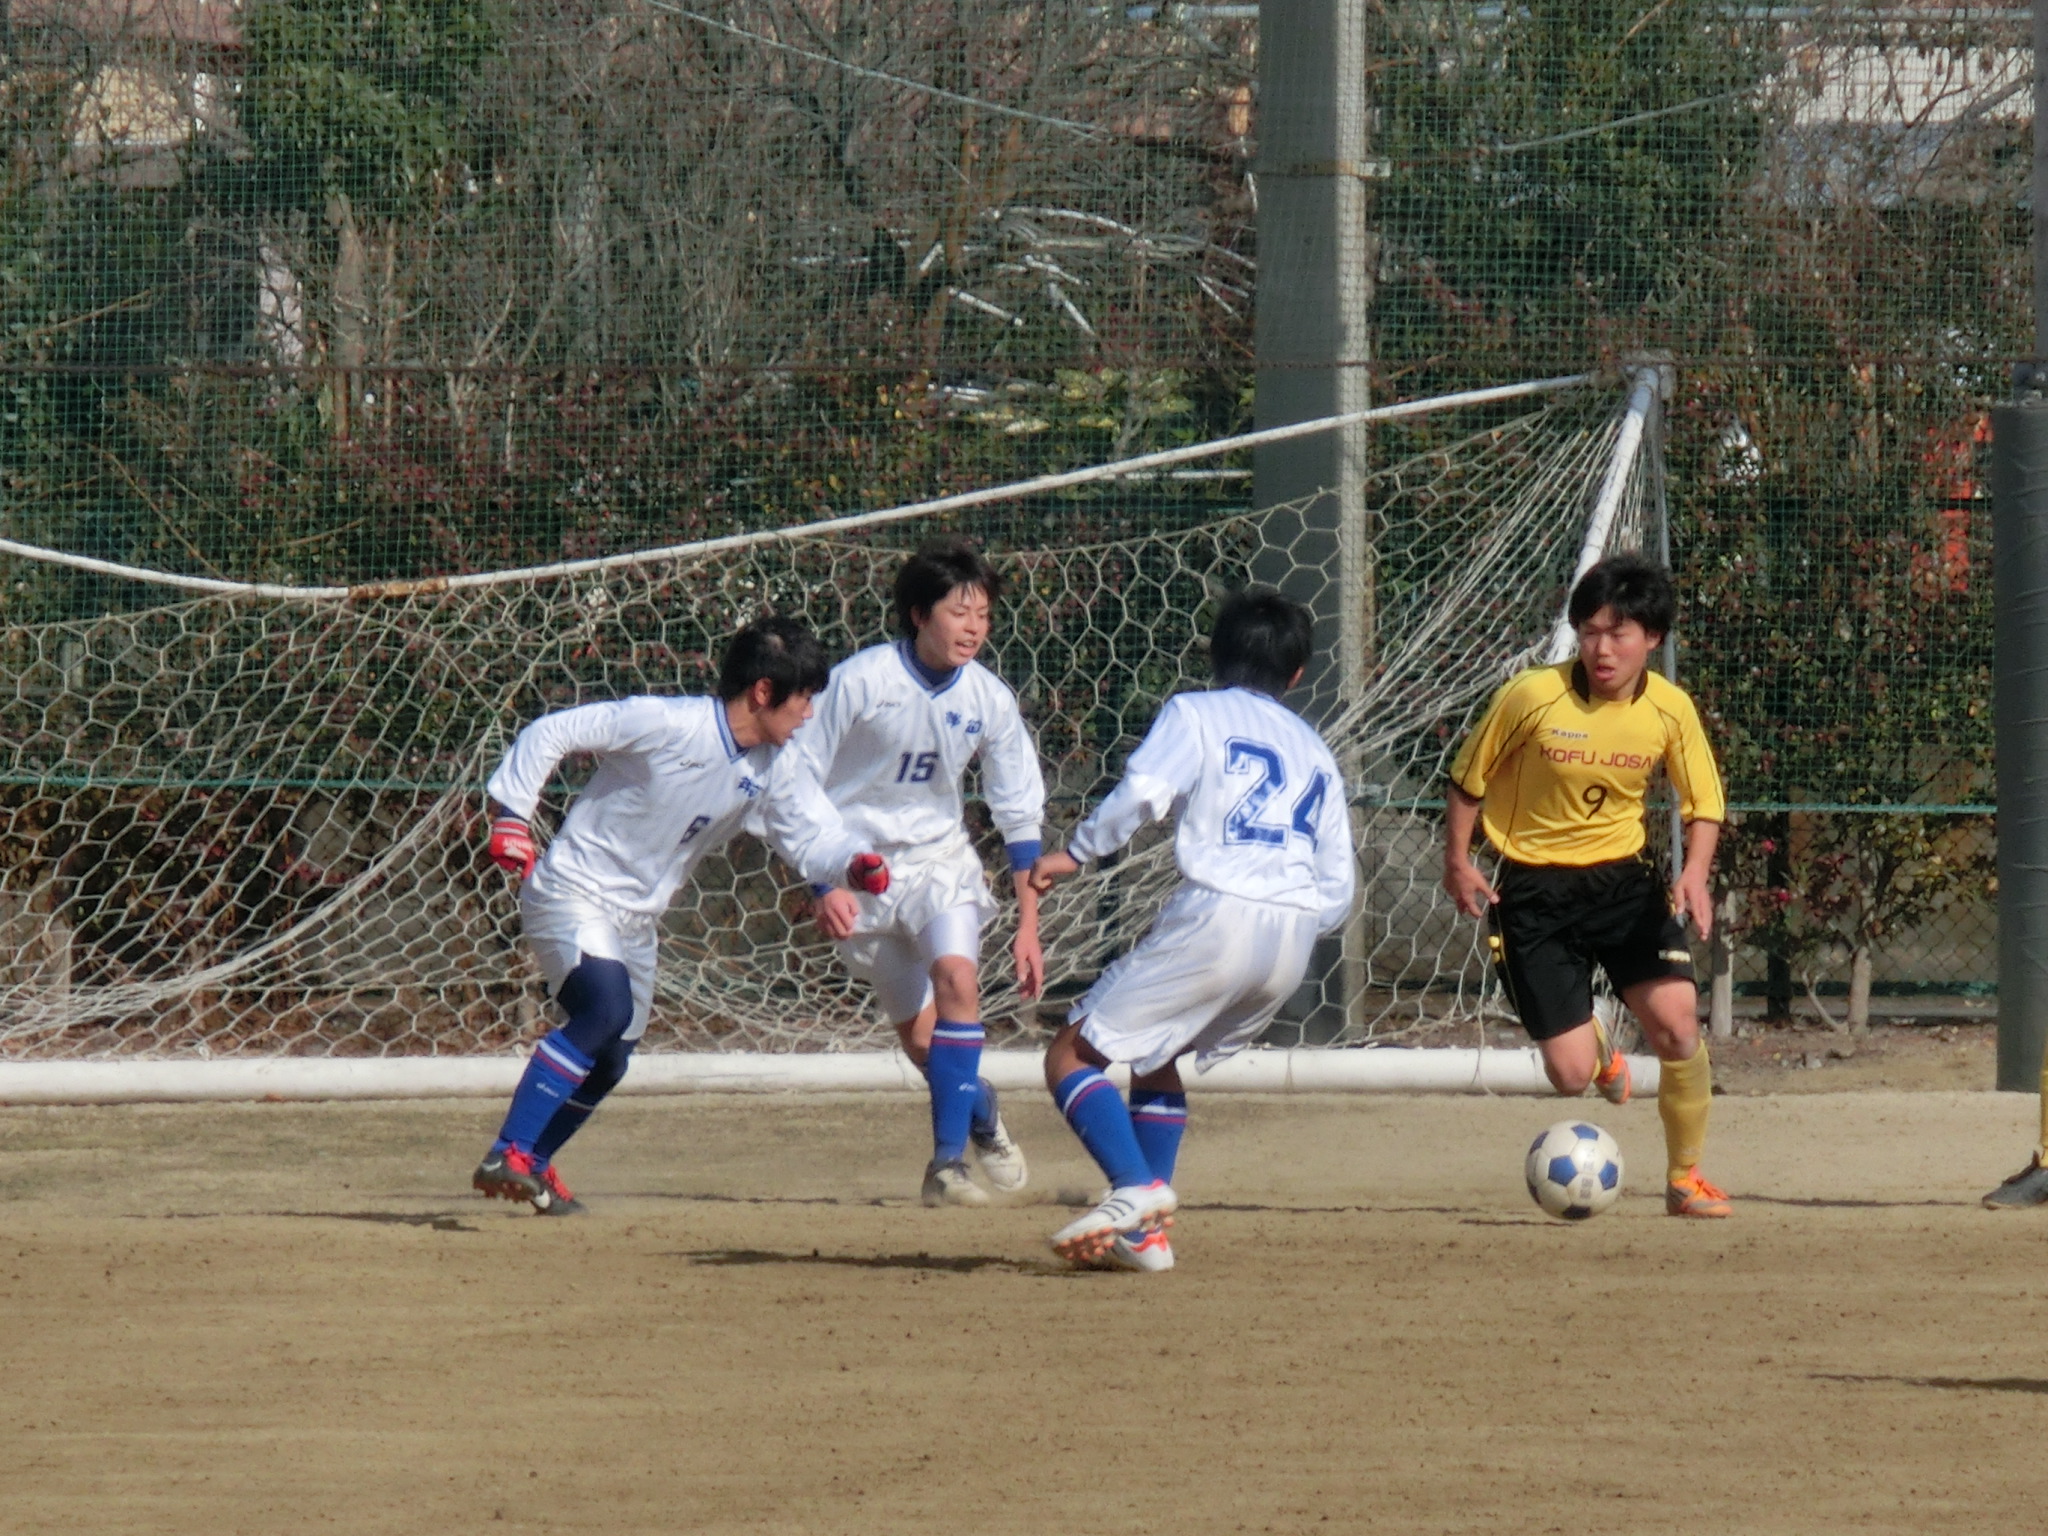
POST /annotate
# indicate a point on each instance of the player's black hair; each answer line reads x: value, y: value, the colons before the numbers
x: 780, y: 650
x: 1260, y: 641
x: 1634, y: 587
x: 938, y: 567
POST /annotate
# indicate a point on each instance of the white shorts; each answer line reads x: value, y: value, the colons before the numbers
x: 899, y: 966
x: 564, y: 928
x: 1207, y: 978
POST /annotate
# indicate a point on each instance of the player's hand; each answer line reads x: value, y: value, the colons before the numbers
x: 1048, y: 869
x: 835, y: 913
x: 1468, y: 888
x: 1690, y: 898
x: 512, y: 847
x: 868, y: 872
x: 1030, y: 961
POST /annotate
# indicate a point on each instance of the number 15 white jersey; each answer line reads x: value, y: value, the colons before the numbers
x: 1260, y: 801
x: 888, y: 748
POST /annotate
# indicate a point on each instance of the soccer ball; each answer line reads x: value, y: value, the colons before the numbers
x: 1574, y: 1170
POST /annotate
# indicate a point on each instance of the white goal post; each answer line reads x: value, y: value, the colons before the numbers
x: 239, y: 851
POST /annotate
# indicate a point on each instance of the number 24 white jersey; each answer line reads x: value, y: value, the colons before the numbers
x: 1260, y: 801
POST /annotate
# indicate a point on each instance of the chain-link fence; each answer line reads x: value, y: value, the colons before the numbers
x: 333, y: 291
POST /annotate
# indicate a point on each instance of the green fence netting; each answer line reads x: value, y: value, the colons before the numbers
x: 338, y: 291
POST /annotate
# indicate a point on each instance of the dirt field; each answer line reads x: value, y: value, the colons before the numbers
x: 278, y: 1318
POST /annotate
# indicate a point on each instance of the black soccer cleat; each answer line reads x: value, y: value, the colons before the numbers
x: 508, y: 1174
x: 554, y: 1198
x: 2027, y: 1187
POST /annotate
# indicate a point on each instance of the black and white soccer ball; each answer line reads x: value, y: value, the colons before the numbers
x: 1574, y: 1170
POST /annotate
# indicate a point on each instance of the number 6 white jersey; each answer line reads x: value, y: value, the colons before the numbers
x: 1260, y: 802
x: 671, y: 786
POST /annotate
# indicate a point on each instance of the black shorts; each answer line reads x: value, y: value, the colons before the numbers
x: 1554, y: 921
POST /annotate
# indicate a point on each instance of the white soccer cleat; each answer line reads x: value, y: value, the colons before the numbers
x: 1088, y: 1237
x: 1001, y: 1159
x: 951, y: 1184
x: 1148, y: 1252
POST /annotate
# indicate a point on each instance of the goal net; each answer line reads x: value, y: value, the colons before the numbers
x: 247, y: 820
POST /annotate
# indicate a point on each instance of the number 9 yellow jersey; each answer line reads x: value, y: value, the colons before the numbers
x: 1562, y: 776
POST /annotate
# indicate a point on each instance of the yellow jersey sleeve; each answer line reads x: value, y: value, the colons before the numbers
x: 1502, y: 729
x: 1688, y: 760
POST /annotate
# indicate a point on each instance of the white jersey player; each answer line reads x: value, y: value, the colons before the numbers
x: 896, y: 730
x: 675, y: 779
x: 1263, y: 843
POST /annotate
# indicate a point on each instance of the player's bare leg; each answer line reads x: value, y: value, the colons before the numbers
x: 1571, y: 1060
x: 1583, y: 1056
x: 1668, y: 1010
x: 916, y: 1035
x: 1138, y: 1200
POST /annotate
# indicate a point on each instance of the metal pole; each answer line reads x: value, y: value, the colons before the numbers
x: 2019, y: 491
x: 1316, y: 270
x: 1642, y: 399
x: 2039, y: 187
x: 2019, y: 500
x: 1653, y: 451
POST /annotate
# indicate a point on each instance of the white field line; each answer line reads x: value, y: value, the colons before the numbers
x: 417, y: 1077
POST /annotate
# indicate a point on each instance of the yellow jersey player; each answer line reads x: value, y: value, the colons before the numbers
x: 1557, y: 772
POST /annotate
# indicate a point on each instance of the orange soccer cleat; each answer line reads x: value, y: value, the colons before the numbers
x: 1613, y: 1080
x: 1692, y: 1195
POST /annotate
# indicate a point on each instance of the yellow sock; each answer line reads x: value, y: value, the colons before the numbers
x: 1603, y: 1050
x: 1685, y: 1092
x: 2044, y: 1111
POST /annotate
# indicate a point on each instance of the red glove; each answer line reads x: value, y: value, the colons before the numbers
x: 868, y: 872
x: 512, y: 847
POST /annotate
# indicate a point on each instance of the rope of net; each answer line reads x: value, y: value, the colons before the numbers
x: 1016, y: 491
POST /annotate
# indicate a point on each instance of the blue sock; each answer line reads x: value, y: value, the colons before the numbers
x: 984, y: 1120
x: 606, y: 1071
x: 556, y: 1071
x: 953, y: 1069
x: 1159, y: 1119
x: 1096, y: 1111
x: 566, y: 1121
